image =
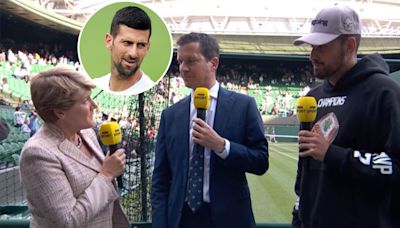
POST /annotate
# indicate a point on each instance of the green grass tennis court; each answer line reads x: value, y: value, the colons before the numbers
x: 273, y: 193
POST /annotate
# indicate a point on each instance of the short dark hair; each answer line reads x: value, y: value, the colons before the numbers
x: 209, y: 47
x: 342, y: 37
x: 131, y: 16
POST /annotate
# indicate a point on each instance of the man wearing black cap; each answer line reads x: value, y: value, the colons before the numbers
x: 353, y: 181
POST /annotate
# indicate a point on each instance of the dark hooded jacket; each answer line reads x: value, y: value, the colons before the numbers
x: 357, y: 184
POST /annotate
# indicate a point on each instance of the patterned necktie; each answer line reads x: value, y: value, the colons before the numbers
x: 195, y: 184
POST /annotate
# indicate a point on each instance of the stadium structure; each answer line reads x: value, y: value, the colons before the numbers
x: 254, y: 33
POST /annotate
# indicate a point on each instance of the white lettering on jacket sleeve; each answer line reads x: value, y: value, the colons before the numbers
x: 381, y: 162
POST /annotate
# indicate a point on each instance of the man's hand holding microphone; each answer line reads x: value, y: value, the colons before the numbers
x: 203, y: 134
x: 311, y: 143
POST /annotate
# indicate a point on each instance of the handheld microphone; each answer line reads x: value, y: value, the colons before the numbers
x: 306, y: 108
x: 110, y: 135
x: 306, y: 111
x: 201, y: 101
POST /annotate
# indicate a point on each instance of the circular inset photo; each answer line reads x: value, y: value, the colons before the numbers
x: 125, y: 47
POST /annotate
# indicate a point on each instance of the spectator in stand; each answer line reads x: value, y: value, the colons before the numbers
x: 33, y: 122
x: 104, y: 119
x: 261, y: 79
x: 19, y: 117
x: 151, y: 132
x: 25, y: 105
x: 11, y: 57
x: 2, y: 56
x: 25, y: 127
x: 274, y: 110
x: 4, y: 84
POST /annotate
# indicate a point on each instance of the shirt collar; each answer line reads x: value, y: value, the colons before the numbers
x: 213, y: 91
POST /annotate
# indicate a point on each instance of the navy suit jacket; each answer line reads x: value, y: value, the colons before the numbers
x: 238, y: 120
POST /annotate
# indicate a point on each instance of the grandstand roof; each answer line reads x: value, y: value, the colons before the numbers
x: 257, y: 27
x: 37, y: 14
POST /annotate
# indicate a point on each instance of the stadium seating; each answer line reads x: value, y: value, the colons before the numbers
x: 20, y: 89
x: 11, y: 147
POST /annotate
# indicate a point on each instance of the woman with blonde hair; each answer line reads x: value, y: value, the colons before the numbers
x: 67, y: 179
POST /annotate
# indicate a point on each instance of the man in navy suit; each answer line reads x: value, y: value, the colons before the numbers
x: 232, y: 135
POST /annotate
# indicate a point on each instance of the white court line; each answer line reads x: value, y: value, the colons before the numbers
x: 284, y: 154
